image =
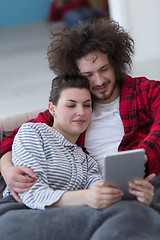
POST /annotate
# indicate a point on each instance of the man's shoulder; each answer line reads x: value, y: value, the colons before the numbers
x: 138, y: 82
x: 44, y: 117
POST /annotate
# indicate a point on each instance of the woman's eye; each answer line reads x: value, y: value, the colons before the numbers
x: 87, y: 105
x: 70, y: 106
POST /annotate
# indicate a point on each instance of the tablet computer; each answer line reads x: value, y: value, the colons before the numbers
x: 123, y: 167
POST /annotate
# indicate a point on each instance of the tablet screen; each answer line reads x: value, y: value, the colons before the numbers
x: 122, y: 167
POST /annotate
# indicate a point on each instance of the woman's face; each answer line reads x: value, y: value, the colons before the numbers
x: 73, y: 111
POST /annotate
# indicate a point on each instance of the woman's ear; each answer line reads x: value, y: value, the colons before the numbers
x: 51, y: 108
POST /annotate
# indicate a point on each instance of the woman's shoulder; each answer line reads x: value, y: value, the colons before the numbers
x: 34, y: 127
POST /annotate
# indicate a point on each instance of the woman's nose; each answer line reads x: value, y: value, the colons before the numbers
x: 80, y: 112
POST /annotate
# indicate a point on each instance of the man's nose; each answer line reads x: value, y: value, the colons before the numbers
x: 98, y: 79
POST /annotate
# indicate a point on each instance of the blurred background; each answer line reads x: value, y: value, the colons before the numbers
x: 25, y: 78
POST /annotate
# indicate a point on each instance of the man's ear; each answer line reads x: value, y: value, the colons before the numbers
x: 51, y: 108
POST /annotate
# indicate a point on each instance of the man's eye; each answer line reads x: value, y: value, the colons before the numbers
x: 87, y: 75
x: 105, y: 69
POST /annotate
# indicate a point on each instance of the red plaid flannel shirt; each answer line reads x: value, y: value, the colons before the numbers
x: 140, y: 114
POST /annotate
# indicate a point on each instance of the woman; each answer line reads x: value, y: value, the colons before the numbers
x: 65, y: 174
x: 63, y: 170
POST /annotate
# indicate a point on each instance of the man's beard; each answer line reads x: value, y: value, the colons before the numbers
x: 103, y: 96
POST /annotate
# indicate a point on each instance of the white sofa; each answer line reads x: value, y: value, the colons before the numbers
x: 8, y: 124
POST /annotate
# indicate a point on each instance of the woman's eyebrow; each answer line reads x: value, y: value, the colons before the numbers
x: 88, y: 100
x: 71, y: 100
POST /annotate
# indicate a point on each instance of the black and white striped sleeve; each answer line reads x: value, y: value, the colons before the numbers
x: 28, y: 151
x: 93, y: 172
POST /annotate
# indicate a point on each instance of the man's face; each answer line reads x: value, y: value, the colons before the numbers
x: 101, y: 75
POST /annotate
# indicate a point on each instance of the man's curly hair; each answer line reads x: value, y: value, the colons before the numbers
x: 103, y: 34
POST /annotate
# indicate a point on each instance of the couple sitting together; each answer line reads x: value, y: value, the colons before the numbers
x: 64, y: 174
x: 57, y: 158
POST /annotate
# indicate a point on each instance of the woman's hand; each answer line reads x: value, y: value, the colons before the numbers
x: 143, y: 189
x: 100, y: 195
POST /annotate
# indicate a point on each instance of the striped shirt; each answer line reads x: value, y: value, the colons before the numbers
x: 60, y: 166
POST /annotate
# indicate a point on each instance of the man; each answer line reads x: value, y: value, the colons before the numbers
x: 126, y: 111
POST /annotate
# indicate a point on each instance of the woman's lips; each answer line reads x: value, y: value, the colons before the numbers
x: 79, y: 121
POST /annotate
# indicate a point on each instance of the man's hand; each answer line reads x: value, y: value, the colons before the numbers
x: 16, y: 180
x: 145, y: 162
x: 15, y: 177
x: 143, y: 189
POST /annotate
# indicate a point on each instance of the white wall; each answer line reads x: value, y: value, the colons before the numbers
x: 141, y: 18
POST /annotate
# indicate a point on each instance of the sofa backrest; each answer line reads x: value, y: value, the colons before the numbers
x: 8, y: 124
